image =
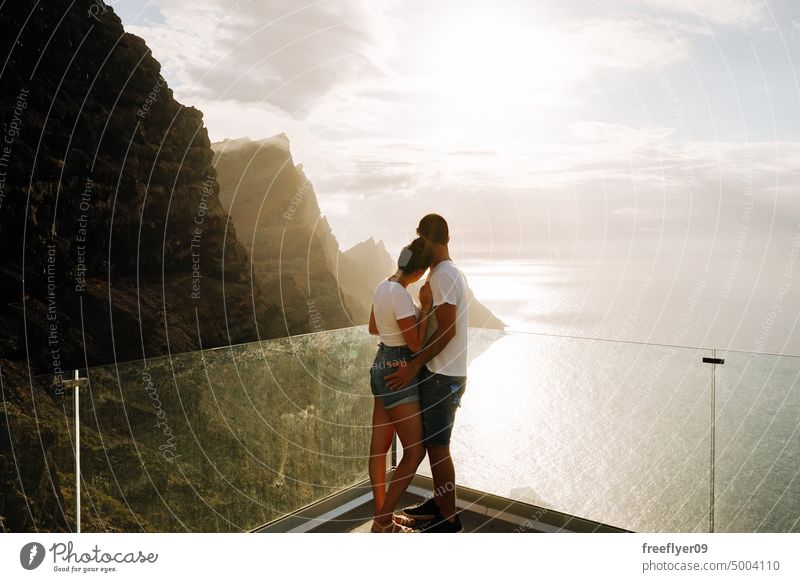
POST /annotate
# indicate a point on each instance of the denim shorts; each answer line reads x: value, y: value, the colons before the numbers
x: 439, y: 398
x: 381, y: 368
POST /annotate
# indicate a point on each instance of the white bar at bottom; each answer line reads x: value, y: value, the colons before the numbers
x: 354, y: 557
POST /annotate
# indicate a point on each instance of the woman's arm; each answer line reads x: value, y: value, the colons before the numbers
x: 373, y: 327
x: 411, y: 329
x: 416, y: 332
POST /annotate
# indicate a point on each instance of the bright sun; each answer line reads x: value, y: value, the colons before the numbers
x: 485, y: 63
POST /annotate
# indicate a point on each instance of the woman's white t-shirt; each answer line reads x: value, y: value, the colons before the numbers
x: 449, y: 285
x: 392, y: 302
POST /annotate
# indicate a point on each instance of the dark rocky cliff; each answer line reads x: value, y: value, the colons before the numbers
x: 110, y: 209
x: 114, y: 243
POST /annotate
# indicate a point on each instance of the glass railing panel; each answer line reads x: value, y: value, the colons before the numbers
x: 232, y: 438
x: 227, y: 439
x: 757, y: 485
x: 609, y: 431
x: 40, y: 455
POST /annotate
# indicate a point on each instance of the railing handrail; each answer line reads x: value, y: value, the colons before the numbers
x: 636, y: 342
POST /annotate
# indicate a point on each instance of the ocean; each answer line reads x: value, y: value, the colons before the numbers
x: 755, y: 307
x: 596, y: 400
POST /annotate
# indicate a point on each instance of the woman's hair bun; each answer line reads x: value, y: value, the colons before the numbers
x: 415, y: 257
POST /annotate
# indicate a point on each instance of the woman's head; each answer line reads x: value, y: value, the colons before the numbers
x: 415, y: 259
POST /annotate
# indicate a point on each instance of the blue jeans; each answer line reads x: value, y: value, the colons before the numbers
x: 381, y: 368
x: 440, y: 397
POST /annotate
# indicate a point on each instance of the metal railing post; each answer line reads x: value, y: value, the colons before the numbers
x: 714, y: 361
x: 77, y: 453
x: 76, y: 382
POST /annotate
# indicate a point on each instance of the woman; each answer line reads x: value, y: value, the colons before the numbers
x: 403, y: 329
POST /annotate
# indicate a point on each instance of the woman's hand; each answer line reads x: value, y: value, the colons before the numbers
x: 426, y: 298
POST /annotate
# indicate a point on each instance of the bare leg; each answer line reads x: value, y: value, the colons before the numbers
x: 444, y: 479
x: 408, y: 424
x: 382, y: 435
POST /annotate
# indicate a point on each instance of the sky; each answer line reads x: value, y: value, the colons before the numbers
x: 540, y: 130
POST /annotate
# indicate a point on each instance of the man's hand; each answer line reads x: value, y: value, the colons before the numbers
x: 403, y: 375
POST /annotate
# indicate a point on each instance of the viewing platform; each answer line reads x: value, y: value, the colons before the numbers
x: 351, y: 512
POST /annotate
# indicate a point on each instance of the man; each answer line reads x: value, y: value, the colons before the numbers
x: 442, y: 368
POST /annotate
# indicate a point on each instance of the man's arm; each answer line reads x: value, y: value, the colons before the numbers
x: 373, y: 327
x: 446, y: 331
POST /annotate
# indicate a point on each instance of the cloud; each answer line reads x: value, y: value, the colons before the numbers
x: 720, y: 12
x: 623, y: 43
x: 278, y: 52
x: 562, y: 139
x: 352, y: 69
x: 232, y: 118
x: 376, y: 182
x: 607, y: 133
x: 637, y: 212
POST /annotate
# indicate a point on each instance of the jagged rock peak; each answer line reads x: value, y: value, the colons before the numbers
x: 280, y: 141
x: 370, y: 243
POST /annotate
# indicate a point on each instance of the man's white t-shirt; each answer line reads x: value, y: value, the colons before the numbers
x: 392, y: 302
x: 448, y: 285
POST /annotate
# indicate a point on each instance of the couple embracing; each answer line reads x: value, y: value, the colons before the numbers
x: 418, y: 378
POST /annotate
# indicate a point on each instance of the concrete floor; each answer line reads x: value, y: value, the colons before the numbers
x: 359, y: 520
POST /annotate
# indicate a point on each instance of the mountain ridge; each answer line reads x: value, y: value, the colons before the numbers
x: 271, y: 201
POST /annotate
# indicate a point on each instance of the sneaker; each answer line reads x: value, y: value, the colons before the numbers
x: 425, y: 511
x: 442, y: 526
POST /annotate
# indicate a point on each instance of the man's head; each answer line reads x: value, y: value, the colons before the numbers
x: 433, y: 228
